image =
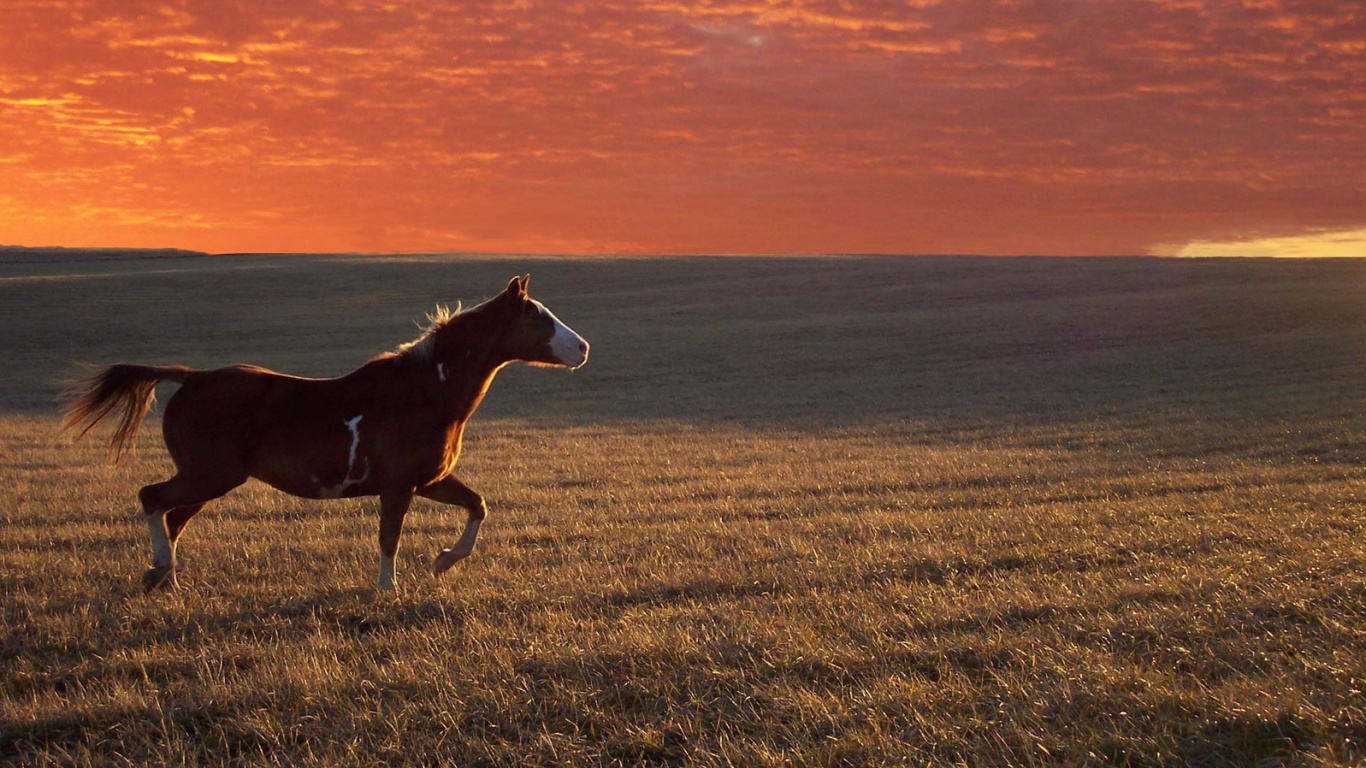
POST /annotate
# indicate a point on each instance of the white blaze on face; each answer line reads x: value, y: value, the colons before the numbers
x: 568, y: 347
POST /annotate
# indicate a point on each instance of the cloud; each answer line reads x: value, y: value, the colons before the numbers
x: 811, y: 125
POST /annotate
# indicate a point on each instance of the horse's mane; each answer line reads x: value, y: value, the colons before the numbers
x: 424, y: 344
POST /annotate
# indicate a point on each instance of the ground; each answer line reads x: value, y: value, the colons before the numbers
x: 794, y: 511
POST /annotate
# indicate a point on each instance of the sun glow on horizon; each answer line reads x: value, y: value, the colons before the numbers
x: 1319, y: 245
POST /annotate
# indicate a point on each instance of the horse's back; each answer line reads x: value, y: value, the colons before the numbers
x: 233, y: 386
x: 221, y: 411
x: 269, y: 425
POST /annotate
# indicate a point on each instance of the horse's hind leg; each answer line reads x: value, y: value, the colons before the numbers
x: 176, y: 518
x: 168, y: 506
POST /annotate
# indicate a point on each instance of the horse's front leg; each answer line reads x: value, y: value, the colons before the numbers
x: 392, y: 509
x: 451, y: 491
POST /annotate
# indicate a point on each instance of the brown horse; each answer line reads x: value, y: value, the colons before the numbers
x: 391, y: 428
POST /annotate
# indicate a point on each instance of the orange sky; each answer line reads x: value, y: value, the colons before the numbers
x: 1044, y: 126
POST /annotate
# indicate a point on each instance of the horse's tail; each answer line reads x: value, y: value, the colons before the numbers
x: 128, y: 389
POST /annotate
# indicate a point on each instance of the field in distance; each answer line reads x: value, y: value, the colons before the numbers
x: 801, y: 511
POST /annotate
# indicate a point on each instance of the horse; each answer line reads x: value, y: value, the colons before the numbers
x: 392, y: 428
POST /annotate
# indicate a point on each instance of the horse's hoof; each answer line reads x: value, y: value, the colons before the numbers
x: 158, y: 577
x: 446, y: 559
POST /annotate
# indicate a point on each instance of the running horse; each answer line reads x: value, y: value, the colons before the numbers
x: 391, y: 428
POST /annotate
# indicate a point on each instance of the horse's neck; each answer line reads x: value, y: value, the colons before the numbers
x: 461, y: 362
x: 464, y: 376
x: 466, y: 390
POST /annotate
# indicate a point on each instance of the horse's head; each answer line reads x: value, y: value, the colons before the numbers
x: 536, y: 336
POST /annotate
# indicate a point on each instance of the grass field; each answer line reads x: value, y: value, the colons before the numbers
x: 794, y: 511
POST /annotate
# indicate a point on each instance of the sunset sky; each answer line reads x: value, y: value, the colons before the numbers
x: 1028, y: 127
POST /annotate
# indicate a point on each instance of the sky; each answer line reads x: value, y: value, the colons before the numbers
x: 1169, y: 127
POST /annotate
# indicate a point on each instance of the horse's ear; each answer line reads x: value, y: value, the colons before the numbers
x: 516, y: 287
x: 526, y: 283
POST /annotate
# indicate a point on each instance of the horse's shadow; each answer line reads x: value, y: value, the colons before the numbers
x: 351, y: 612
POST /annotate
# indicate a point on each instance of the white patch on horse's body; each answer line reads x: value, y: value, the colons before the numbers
x: 353, y: 425
x: 332, y: 492
x: 566, y: 345
x: 441, y: 371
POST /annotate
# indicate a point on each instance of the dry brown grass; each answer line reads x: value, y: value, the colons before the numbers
x: 808, y: 511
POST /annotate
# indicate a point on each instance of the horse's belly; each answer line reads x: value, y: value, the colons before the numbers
x: 346, y: 469
x: 315, y: 487
x: 327, y: 479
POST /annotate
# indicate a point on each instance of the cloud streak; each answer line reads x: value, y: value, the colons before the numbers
x: 1021, y: 127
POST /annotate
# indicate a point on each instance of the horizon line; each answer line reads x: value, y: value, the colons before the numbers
x: 189, y: 252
